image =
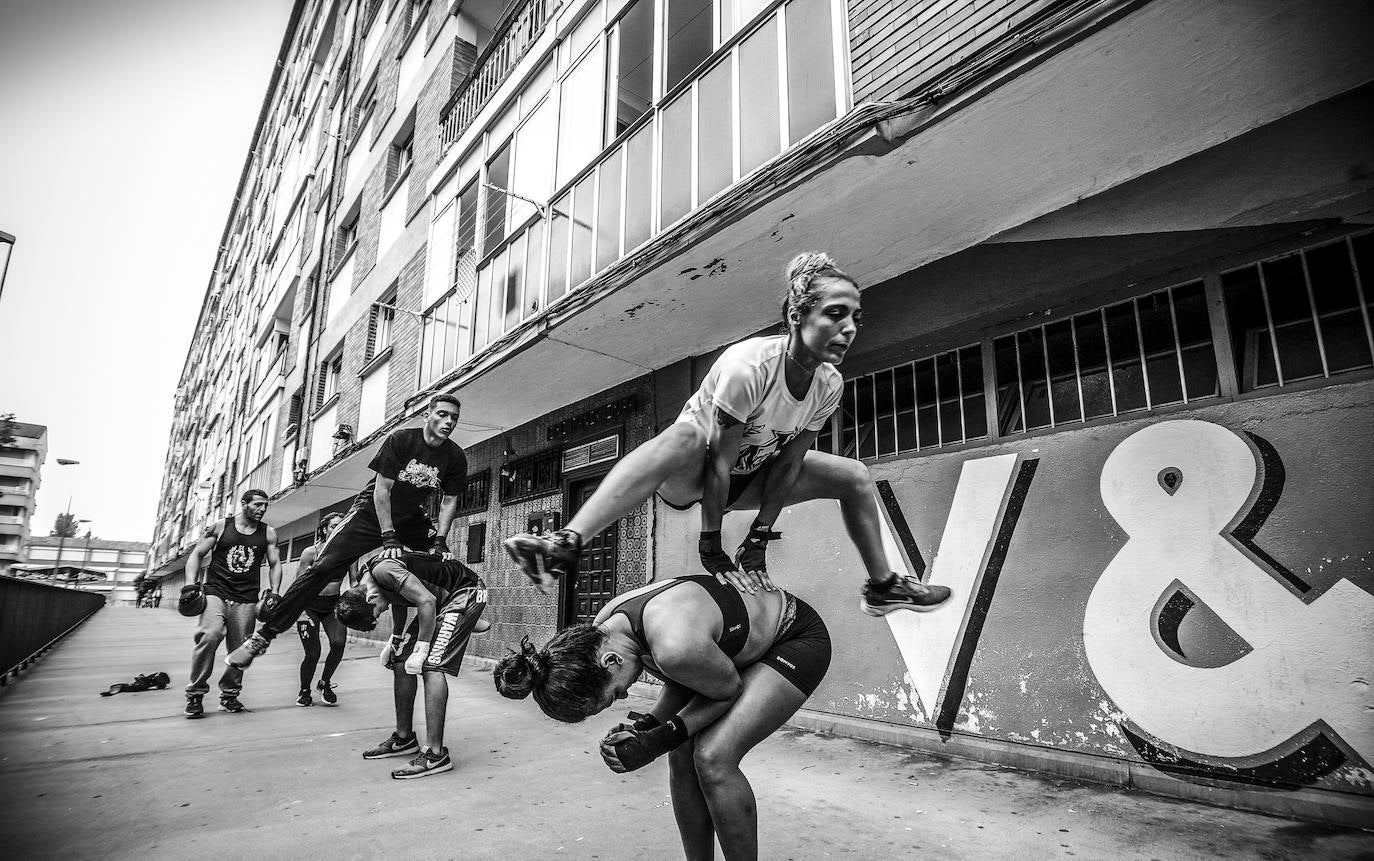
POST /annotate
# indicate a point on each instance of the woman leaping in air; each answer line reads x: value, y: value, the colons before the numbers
x: 743, y: 442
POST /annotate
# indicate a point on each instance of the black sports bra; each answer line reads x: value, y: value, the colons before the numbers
x: 734, y: 630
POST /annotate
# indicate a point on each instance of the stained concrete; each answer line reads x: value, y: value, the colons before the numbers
x: 83, y: 776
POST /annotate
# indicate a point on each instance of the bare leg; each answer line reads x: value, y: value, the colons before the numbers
x: 436, y: 708
x: 765, y: 703
x: 689, y: 805
x: 403, y: 689
x: 674, y: 459
x: 826, y: 476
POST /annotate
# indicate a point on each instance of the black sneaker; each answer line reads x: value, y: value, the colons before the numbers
x: 427, y: 763
x: 230, y: 703
x: 194, y: 707
x: 903, y: 593
x: 327, y: 691
x: 304, y: 699
x: 545, y: 558
x: 252, y: 647
x: 393, y: 746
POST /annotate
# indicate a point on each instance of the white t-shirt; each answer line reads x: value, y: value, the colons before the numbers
x: 747, y: 382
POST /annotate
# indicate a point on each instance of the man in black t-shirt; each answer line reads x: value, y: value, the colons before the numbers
x: 449, y: 599
x: 389, y: 513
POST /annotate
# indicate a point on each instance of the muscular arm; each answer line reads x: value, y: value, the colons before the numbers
x: 414, y: 593
x: 273, y: 561
x: 700, y: 666
x: 448, y: 506
x: 205, y: 545
x: 726, y: 434
x: 777, y: 485
x: 381, y: 500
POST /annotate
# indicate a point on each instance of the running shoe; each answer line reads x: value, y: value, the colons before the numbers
x: 327, y: 691
x: 393, y: 746
x: 903, y: 593
x: 194, y: 707
x: 243, y: 656
x: 428, y: 762
x: 545, y: 558
x: 230, y: 703
x: 305, y: 699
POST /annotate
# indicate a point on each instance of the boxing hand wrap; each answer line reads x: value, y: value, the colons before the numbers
x: 270, y: 601
x: 388, y: 655
x: 642, y: 748
x: 637, y: 723
x: 439, y: 547
x: 753, y: 550
x: 713, y: 557
x: 391, y: 545
x: 416, y: 661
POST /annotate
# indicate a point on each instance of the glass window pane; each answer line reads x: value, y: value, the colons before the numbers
x: 534, y: 145
x: 675, y: 176
x: 1363, y: 246
x: 558, y: 247
x: 715, y: 106
x: 863, y: 409
x: 584, y: 205
x: 534, y: 267
x: 515, y: 282
x: 497, y: 309
x: 1128, y: 377
x: 1286, y: 288
x: 734, y: 14
x: 467, y: 219
x: 927, y: 425
x: 1063, y: 379
x: 810, y: 67
x: 479, y: 331
x: 1195, y: 340
x: 971, y: 374
x: 1034, y: 385
x: 634, y: 84
x: 886, y: 428
x: 1338, y: 307
x: 758, y: 95
x: 1161, y: 361
x: 1008, y: 386
x: 579, y: 117
x: 689, y: 38
x: 1249, y: 327
x: 639, y: 165
x: 498, y: 174
x: 947, y: 378
x: 608, y: 212
x: 847, y: 420
x: 1092, y: 365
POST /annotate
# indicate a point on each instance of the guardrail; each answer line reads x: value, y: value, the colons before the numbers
x: 34, y: 616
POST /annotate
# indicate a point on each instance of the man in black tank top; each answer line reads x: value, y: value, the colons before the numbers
x: 449, y: 599
x: 237, y: 547
x: 390, y: 512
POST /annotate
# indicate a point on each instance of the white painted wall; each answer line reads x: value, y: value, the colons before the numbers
x: 321, y: 440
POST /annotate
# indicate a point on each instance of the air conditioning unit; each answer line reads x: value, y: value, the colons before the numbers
x: 592, y: 453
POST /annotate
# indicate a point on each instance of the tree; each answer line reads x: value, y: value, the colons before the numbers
x: 65, y: 526
x: 7, y: 429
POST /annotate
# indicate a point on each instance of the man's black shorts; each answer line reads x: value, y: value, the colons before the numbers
x: 453, y: 626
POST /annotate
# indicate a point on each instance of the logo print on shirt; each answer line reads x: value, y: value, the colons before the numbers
x: 419, y: 474
x: 239, y: 559
x: 754, y: 455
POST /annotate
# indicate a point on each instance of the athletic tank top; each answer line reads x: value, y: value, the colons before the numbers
x: 735, y: 618
x: 236, y: 562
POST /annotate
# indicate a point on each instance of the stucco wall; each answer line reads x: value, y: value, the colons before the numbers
x: 1062, y: 633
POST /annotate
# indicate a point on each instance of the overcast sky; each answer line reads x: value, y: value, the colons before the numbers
x: 123, y: 128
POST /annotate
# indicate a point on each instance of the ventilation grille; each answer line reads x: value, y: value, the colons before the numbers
x: 592, y: 453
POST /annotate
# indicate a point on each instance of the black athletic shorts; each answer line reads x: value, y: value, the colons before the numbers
x: 738, y: 484
x: 453, y: 626
x: 801, y: 652
x: 321, y: 606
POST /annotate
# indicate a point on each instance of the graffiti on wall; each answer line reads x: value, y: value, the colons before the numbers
x: 1293, y: 696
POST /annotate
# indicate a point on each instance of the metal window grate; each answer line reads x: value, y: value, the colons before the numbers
x: 1135, y: 355
x: 475, y: 493
x: 1303, y: 315
x: 923, y: 404
x: 530, y: 476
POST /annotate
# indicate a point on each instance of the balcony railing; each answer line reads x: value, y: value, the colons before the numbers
x: 508, y: 44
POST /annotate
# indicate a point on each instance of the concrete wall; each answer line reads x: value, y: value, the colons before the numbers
x: 1221, y: 631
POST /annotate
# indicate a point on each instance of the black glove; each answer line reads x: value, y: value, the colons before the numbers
x: 713, y: 557
x: 753, y: 550
x: 392, y: 548
x: 269, y: 603
x: 637, y: 749
x: 439, y: 547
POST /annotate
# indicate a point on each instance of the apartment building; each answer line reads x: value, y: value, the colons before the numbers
x: 92, y: 564
x: 1114, y: 387
x: 21, y: 469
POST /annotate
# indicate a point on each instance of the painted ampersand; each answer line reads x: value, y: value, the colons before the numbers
x: 1177, y: 488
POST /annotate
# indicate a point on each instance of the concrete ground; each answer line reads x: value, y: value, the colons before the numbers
x: 83, y: 776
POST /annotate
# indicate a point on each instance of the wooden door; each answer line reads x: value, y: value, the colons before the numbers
x: 595, y: 584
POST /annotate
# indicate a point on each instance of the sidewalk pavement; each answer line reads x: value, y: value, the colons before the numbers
x: 84, y: 776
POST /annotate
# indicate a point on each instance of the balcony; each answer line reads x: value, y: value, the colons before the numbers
x: 508, y: 44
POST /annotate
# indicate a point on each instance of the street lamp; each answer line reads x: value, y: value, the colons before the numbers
x: 6, y: 247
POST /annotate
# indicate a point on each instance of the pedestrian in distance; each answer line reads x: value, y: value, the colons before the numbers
x: 448, y: 598
x: 236, y: 547
x: 389, y: 513
x: 734, y: 665
x: 743, y: 442
x: 319, y: 615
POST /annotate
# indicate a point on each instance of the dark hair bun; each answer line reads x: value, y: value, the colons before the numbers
x: 519, y: 673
